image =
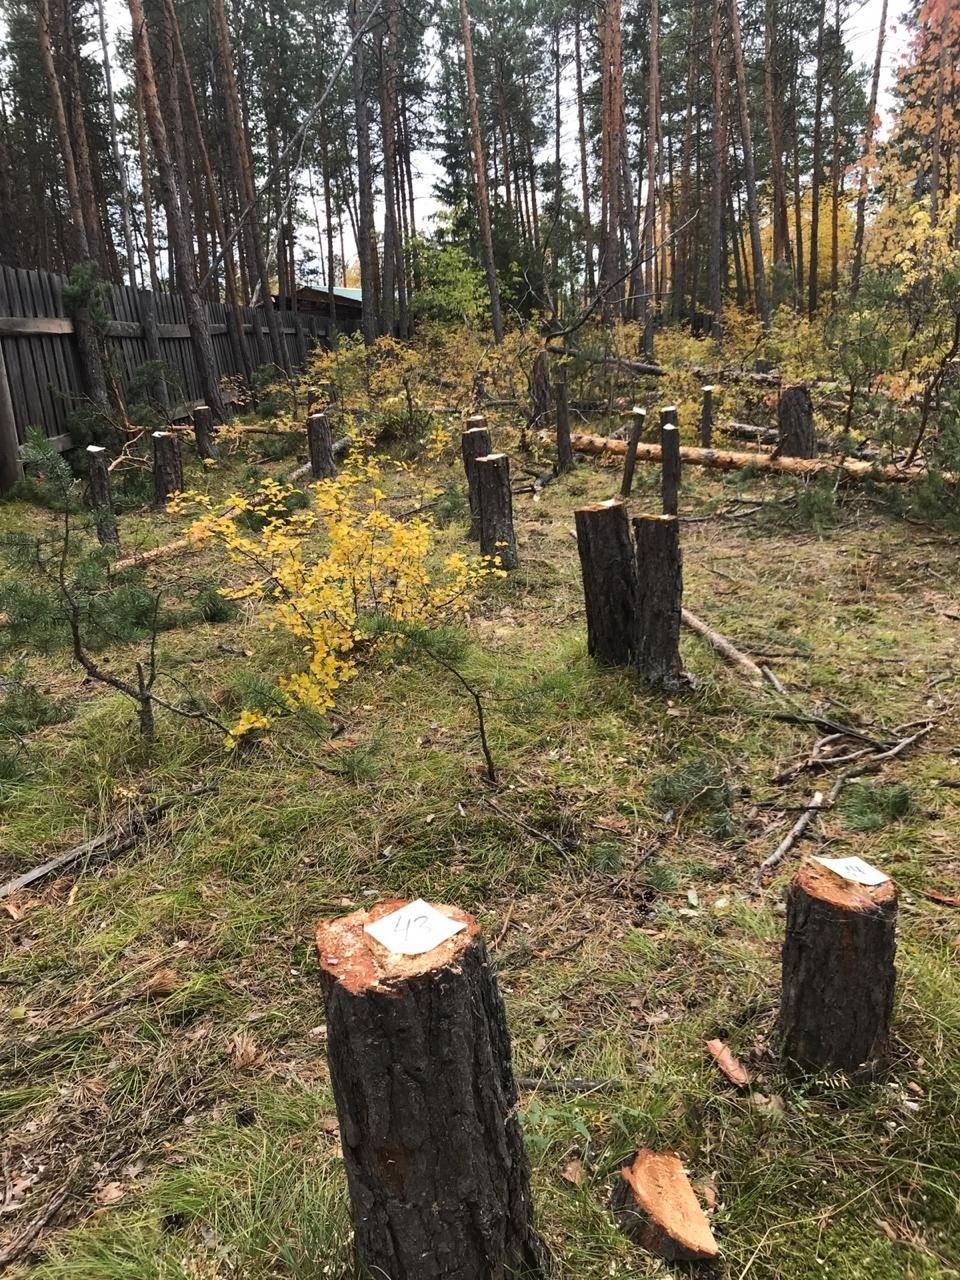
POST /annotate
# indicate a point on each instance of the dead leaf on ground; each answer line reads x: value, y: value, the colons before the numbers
x: 574, y: 1172
x: 161, y: 983
x: 110, y: 1193
x: 945, y: 899
x: 735, y: 1072
x: 243, y: 1051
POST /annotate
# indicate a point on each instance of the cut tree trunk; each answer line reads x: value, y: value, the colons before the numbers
x: 838, y: 972
x: 497, y: 537
x: 609, y: 571
x: 729, y: 460
x: 320, y: 441
x: 630, y: 457
x: 659, y: 600
x: 540, y: 390
x: 654, y: 1205
x: 101, y: 498
x: 167, y: 467
x: 670, y: 461
x: 798, y: 439
x: 475, y: 443
x: 564, y: 447
x: 203, y: 432
x: 420, y: 1063
x: 706, y: 419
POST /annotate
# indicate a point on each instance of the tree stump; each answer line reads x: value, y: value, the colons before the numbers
x: 659, y: 600
x: 540, y: 390
x: 654, y: 1205
x: 564, y: 444
x: 798, y: 439
x: 630, y: 458
x: 706, y: 419
x: 203, y: 432
x: 838, y: 972
x: 420, y: 1063
x: 167, y: 467
x: 475, y: 443
x: 609, y: 571
x: 670, y: 461
x: 497, y: 537
x: 101, y: 496
x: 320, y: 441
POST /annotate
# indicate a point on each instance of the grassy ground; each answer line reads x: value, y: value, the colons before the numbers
x: 163, y: 1059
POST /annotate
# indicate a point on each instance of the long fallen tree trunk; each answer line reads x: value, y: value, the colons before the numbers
x: 730, y: 460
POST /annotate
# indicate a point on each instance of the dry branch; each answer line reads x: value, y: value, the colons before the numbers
x: 722, y: 646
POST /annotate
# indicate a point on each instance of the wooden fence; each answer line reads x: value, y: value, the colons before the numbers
x: 41, y: 382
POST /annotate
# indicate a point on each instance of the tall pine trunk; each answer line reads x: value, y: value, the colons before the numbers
x: 813, y: 284
x: 861, y: 216
x: 749, y: 171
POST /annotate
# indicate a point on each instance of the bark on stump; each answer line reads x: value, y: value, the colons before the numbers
x: 540, y: 390
x: 655, y: 1206
x: 706, y: 419
x: 101, y: 497
x: 630, y: 459
x: 609, y: 572
x: 203, y: 432
x: 320, y: 441
x: 420, y: 1063
x: 670, y: 461
x: 838, y: 972
x: 659, y: 600
x: 798, y: 439
x: 167, y: 467
x: 475, y: 443
x: 497, y: 537
x: 564, y: 445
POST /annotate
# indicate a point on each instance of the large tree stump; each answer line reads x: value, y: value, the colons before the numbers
x: 798, y: 439
x: 203, y: 432
x: 630, y: 458
x: 167, y: 467
x: 320, y: 441
x: 564, y: 446
x: 497, y: 537
x: 101, y: 496
x: 475, y: 443
x: 838, y: 971
x: 670, y: 461
x: 706, y: 419
x: 659, y: 600
x: 655, y: 1206
x: 609, y: 571
x: 420, y: 1063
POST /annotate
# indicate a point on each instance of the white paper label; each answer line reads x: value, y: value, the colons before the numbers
x: 413, y: 929
x: 854, y: 869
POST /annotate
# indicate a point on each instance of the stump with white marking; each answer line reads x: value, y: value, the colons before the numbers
x: 706, y: 419
x: 203, y: 432
x: 420, y: 1063
x: 101, y: 496
x: 838, y: 972
x: 609, y: 572
x: 475, y: 443
x: 659, y: 600
x: 497, y: 537
x: 167, y: 467
x: 670, y: 461
x: 630, y: 458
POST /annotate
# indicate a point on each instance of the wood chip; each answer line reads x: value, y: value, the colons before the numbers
x: 656, y: 1206
x: 728, y: 1064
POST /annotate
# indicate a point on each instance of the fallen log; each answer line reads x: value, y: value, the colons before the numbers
x: 340, y: 447
x: 149, y: 557
x: 622, y: 362
x: 722, y: 646
x: 730, y: 460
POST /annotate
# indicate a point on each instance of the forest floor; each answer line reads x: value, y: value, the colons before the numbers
x: 163, y: 1071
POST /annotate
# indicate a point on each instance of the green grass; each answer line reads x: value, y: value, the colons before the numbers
x: 621, y: 863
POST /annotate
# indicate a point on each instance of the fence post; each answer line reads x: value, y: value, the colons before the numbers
x: 11, y: 468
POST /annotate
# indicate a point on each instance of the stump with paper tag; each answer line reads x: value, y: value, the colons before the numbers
x: 838, y: 966
x: 422, y: 1075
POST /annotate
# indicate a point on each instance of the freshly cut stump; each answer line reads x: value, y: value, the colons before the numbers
x: 167, y: 467
x: 100, y: 495
x: 475, y: 442
x: 609, y: 573
x: 323, y: 464
x: 798, y: 437
x: 564, y: 447
x: 670, y: 461
x: 838, y: 972
x: 655, y: 1205
x: 203, y: 432
x: 659, y: 600
x: 630, y: 457
x: 497, y: 537
x: 422, y: 1075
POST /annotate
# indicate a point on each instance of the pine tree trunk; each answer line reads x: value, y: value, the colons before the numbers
x: 564, y: 445
x: 718, y: 179
x: 749, y: 172
x: 101, y: 498
x: 167, y: 467
x: 439, y: 1178
x: 670, y: 461
x: 497, y: 537
x: 609, y: 573
x: 650, y: 214
x: 861, y: 215
x: 320, y: 440
x: 706, y: 419
x: 475, y: 443
x: 814, y: 255
x: 838, y: 972
x: 584, y: 173
x: 659, y: 600
x: 798, y: 437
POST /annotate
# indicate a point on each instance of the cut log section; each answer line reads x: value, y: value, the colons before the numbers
x: 798, y: 439
x: 320, y: 442
x: 101, y: 497
x: 659, y: 600
x: 630, y: 458
x: 655, y: 1206
x: 497, y: 537
x: 475, y: 443
x: 838, y: 972
x: 420, y: 1063
x: 736, y: 460
x: 609, y: 572
x: 167, y: 467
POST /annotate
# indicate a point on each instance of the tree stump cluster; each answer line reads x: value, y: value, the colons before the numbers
x: 420, y: 1062
x: 633, y: 590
